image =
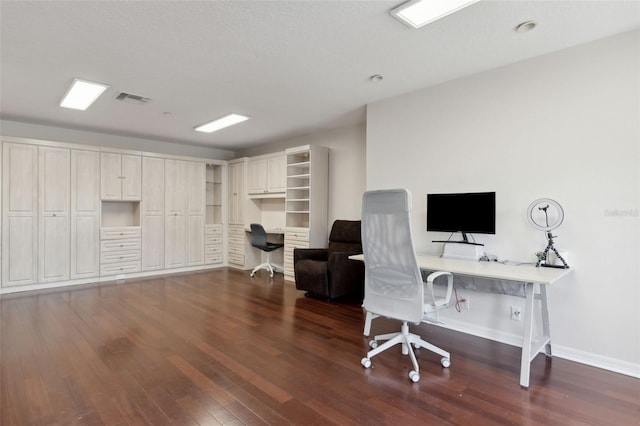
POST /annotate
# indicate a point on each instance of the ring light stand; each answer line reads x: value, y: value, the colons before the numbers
x: 539, y: 214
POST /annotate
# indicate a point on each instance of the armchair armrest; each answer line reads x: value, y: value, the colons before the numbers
x: 309, y: 254
x: 346, y: 275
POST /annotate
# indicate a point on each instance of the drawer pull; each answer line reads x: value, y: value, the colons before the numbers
x: 122, y: 233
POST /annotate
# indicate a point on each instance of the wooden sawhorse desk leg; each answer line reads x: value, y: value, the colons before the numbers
x: 530, y: 349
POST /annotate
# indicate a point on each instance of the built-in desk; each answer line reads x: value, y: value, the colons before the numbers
x: 529, y: 275
x: 274, y: 231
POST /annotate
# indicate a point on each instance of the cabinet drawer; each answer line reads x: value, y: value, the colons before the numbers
x: 236, y: 250
x: 213, y: 239
x: 296, y: 234
x: 118, y: 245
x: 119, y: 268
x: 119, y: 256
x: 124, y: 232
x: 213, y: 230
x: 212, y: 249
x: 237, y: 242
x: 213, y: 258
x: 236, y: 230
x: 236, y: 259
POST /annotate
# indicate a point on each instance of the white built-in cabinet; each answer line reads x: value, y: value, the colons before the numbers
x: 120, y: 176
x: 75, y: 212
x: 267, y: 175
x: 153, y: 213
x: 19, y: 214
x: 54, y: 219
x: 185, y: 210
x: 195, y: 190
x: 237, y: 197
x: 236, y: 192
x: 306, y: 201
x: 85, y: 214
x: 175, y: 222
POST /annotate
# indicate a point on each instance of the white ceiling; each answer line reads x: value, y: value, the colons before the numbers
x: 295, y: 67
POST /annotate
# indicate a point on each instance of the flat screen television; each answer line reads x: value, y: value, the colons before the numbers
x: 468, y: 213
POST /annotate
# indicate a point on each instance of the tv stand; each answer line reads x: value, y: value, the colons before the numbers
x: 465, y: 240
x: 457, y: 242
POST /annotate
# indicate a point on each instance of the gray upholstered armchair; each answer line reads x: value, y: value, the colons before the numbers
x: 328, y: 273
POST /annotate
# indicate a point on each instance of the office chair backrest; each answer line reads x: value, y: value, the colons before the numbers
x: 393, y: 283
x: 258, y: 235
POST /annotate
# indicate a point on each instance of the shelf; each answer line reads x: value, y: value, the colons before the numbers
x: 291, y: 200
x: 298, y: 212
x: 298, y: 188
x: 303, y: 163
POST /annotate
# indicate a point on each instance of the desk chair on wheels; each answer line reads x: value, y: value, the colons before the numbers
x: 259, y: 240
x: 393, y: 283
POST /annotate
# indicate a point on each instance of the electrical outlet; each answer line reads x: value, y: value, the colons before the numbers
x: 466, y: 303
x: 516, y: 313
x: 120, y: 277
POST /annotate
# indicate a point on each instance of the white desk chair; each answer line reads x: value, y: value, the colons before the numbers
x: 393, y: 282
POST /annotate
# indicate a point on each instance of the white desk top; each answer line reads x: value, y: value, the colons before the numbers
x: 493, y: 270
x: 269, y: 230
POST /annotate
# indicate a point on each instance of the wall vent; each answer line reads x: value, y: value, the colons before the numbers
x: 132, y: 99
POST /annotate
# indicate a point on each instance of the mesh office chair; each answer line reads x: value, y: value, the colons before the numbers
x: 259, y: 240
x: 393, y: 283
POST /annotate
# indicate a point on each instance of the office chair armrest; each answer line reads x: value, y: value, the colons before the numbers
x: 432, y: 277
x: 309, y: 254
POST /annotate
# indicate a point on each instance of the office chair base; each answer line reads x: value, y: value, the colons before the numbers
x: 407, y: 340
x: 269, y: 267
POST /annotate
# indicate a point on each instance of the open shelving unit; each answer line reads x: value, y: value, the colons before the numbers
x: 213, y: 194
x: 306, y: 201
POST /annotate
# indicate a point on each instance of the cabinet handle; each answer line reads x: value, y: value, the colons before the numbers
x: 121, y: 245
x: 122, y: 233
x: 175, y: 214
x: 54, y: 215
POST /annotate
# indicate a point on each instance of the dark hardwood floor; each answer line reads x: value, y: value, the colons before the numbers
x: 221, y: 348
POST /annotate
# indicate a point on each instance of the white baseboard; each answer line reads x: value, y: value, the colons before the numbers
x: 101, y: 279
x: 559, y: 351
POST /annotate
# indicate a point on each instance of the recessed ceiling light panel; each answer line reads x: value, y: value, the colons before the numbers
x: 221, y: 123
x: 82, y: 94
x: 418, y: 13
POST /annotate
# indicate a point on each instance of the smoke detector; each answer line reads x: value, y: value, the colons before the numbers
x: 132, y: 99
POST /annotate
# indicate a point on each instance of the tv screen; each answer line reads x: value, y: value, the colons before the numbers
x: 471, y: 213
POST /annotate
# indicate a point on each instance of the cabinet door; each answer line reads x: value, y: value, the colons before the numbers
x: 53, y: 240
x: 153, y: 192
x: 110, y: 176
x: 195, y: 187
x: 277, y: 174
x: 19, y: 214
x: 236, y: 193
x: 85, y: 214
x: 153, y: 212
x: 132, y: 177
x: 175, y: 241
x: 195, y: 240
x: 257, y: 176
x: 175, y: 184
x: 153, y: 244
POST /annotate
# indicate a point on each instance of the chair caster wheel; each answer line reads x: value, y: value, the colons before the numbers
x: 414, y: 376
x: 373, y: 344
x: 446, y: 362
x: 366, y: 362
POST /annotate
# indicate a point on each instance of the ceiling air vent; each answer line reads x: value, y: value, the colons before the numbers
x: 132, y: 99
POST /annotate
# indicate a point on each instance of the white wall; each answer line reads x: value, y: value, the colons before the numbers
x: 61, y: 134
x: 563, y: 126
x: 346, y: 166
